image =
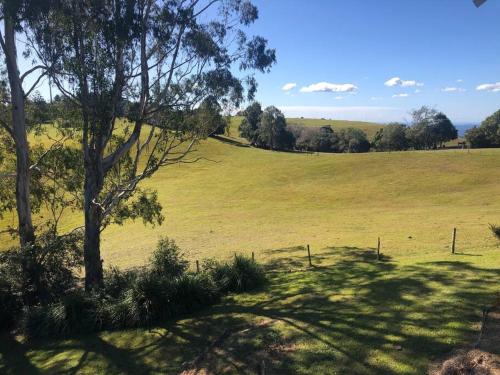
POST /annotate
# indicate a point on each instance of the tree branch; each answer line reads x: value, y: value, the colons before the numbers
x: 28, y: 72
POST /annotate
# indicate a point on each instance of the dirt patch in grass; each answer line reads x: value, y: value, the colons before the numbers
x: 482, y: 360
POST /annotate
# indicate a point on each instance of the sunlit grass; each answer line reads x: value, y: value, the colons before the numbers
x: 346, y: 314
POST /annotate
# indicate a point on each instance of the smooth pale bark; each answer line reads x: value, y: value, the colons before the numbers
x: 26, y: 229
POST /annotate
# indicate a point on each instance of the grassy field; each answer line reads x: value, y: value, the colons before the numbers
x: 349, y: 313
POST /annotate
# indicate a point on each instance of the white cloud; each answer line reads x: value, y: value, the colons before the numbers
x: 329, y: 87
x: 339, y: 97
x: 355, y: 113
x: 417, y: 91
x: 396, y: 81
x: 288, y: 86
x: 400, y: 95
x: 453, y: 89
x: 495, y: 87
x: 460, y: 80
x: 376, y: 98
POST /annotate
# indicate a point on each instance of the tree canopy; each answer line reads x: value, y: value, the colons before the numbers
x: 168, y: 68
x: 429, y: 129
x: 487, y: 134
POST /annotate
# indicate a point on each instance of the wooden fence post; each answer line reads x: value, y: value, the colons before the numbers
x: 378, y: 249
x: 197, y: 266
x: 453, y: 239
x: 253, y: 256
x: 309, y: 256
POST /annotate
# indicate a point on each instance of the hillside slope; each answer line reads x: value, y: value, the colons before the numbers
x: 248, y: 199
x: 244, y: 199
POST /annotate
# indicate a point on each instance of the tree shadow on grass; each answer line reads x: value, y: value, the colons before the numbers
x: 348, y: 314
x: 229, y: 140
x: 13, y: 358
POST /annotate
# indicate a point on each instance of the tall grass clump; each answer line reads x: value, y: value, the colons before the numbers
x: 242, y: 274
x: 76, y: 312
x: 495, y: 229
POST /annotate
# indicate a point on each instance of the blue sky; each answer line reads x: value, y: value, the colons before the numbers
x: 377, y: 60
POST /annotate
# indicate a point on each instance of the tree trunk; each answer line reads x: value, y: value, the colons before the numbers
x: 92, y: 239
x: 26, y: 230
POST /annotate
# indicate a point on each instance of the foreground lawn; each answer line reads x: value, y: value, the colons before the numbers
x: 349, y: 314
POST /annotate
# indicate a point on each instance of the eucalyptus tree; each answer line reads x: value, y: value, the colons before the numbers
x: 272, y: 132
x: 150, y: 63
x: 251, y: 121
x: 13, y: 116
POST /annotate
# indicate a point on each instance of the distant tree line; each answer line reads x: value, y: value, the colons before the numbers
x: 326, y: 139
x: 267, y: 128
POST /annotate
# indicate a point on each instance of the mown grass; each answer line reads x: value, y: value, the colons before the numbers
x: 346, y: 314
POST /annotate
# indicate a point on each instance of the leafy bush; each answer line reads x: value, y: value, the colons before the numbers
x: 10, y: 304
x: 75, y: 313
x: 167, y: 259
x: 194, y: 292
x: 117, y: 281
x: 150, y: 297
x: 44, y: 271
x: 241, y: 275
x: 495, y: 229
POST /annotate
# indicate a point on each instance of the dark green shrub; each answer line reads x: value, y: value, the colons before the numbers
x: 120, y: 312
x: 10, y: 304
x: 150, y: 298
x: 242, y: 274
x: 77, y: 312
x: 495, y: 229
x: 136, y: 298
x: 117, y: 281
x: 167, y: 259
x: 44, y: 271
x: 194, y: 292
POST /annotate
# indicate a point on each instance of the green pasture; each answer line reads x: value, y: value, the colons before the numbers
x: 349, y: 313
